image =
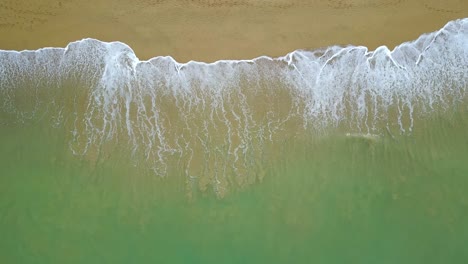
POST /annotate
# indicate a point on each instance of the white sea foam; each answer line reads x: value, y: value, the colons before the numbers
x: 223, y: 111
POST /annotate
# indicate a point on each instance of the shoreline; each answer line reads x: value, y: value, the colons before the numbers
x: 285, y: 58
x: 209, y: 30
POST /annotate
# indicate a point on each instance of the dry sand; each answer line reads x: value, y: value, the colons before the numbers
x: 209, y: 30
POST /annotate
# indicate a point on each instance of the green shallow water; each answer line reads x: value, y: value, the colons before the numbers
x: 395, y: 199
x: 338, y: 155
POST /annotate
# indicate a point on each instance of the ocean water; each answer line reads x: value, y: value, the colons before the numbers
x: 326, y: 156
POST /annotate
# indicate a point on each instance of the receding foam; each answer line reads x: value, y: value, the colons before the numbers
x: 221, y: 114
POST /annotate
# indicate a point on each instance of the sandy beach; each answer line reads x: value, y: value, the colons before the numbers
x: 208, y: 30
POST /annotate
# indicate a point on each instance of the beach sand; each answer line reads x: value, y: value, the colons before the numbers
x: 208, y: 30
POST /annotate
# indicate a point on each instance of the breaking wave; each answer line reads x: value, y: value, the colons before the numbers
x: 218, y: 119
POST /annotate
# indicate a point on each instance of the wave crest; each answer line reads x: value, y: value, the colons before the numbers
x: 218, y: 118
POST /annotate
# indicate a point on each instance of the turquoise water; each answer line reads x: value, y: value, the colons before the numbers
x: 329, y: 156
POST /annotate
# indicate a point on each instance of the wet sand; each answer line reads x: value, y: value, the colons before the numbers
x: 208, y: 30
